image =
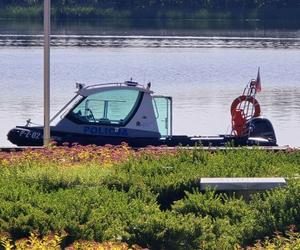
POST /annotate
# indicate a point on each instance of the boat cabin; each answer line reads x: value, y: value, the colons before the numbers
x: 117, y: 109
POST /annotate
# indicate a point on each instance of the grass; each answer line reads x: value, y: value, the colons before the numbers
x: 147, y: 198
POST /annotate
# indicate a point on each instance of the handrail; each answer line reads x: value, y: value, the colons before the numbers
x: 111, y: 84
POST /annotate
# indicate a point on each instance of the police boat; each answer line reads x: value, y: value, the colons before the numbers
x: 128, y: 112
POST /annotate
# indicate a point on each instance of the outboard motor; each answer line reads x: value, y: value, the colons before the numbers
x: 261, y: 132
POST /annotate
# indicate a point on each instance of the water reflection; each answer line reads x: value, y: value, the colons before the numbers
x: 155, y: 33
x: 160, y: 27
x: 285, y: 102
x: 150, y: 41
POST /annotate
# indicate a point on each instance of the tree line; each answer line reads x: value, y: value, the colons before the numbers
x: 159, y: 4
x: 172, y: 9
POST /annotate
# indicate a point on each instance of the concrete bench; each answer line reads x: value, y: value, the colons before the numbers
x: 241, y: 184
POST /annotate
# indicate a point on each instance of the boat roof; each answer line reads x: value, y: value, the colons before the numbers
x: 91, y: 89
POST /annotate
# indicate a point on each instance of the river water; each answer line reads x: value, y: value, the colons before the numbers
x: 203, y: 65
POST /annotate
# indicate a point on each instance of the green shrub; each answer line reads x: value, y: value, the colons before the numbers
x: 277, y: 209
x: 149, y: 197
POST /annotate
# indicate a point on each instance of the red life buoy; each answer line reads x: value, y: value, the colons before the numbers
x: 244, y: 98
x: 238, y: 122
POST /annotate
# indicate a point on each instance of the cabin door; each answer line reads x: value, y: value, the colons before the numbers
x: 163, y: 114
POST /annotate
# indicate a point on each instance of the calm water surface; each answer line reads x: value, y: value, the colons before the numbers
x: 203, y: 67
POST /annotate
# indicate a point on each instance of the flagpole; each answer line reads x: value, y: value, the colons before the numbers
x: 47, y: 20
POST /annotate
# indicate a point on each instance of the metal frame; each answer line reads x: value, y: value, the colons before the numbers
x: 47, y: 21
x: 63, y: 108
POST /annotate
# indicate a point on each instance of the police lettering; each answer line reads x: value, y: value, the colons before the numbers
x: 105, y: 131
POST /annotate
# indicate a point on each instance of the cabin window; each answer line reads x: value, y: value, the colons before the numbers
x: 162, y: 108
x: 111, y: 107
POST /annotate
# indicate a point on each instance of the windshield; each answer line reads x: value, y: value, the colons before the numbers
x: 111, y: 107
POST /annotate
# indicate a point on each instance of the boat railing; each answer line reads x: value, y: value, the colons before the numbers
x: 112, y: 84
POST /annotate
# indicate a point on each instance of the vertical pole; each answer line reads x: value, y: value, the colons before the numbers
x: 47, y: 8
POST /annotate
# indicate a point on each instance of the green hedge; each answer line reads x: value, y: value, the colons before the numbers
x: 150, y: 200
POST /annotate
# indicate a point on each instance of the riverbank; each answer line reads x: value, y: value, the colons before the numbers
x: 149, y: 197
x: 36, y: 12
